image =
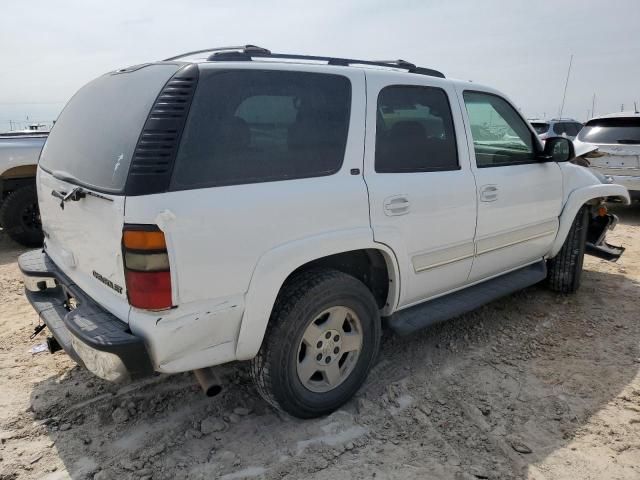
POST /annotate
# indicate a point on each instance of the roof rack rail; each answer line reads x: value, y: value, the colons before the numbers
x: 242, y: 48
x: 246, y: 54
x: 249, y: 52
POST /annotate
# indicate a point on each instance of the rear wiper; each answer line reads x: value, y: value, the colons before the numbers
x: 74, y: 195
x: 629, y: 141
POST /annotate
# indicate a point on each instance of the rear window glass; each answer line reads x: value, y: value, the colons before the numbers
x: 567, y: 128
x: 248, y: 126
x: 612, y: 130
x: 93, y: 140
x: 540, y: 128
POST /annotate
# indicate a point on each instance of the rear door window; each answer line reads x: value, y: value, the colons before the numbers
x: 611, y: 131
x: 249, y: 126
x: 414, y: 130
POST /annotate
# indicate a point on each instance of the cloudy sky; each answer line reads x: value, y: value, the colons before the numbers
x: 522, y: 47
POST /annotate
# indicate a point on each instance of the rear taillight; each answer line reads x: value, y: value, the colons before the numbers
x: 146, y: 267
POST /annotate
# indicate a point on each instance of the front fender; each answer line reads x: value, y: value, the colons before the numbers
x: 577, y: 199
x: 277, y: 264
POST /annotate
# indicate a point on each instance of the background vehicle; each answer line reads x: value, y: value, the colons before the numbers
x: 556, y: 127
x: 617, y: 137
x: 279, y: 210
x: 19, y: 215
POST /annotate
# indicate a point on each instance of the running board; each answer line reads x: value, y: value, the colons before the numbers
x: 454, y: 304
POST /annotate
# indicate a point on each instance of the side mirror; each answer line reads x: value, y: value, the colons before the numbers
x: 558, y: 149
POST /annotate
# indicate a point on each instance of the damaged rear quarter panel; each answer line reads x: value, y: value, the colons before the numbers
x: 191, y: 336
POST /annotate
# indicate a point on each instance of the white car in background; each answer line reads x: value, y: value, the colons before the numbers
x: 617, y: 137
x: 556, y: 127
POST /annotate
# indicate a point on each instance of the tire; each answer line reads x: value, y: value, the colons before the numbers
x: 309, y: 304
x: 20, y: 218
x: 565, y: 269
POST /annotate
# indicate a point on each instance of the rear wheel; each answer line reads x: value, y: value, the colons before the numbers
x: 20, y: 217
x: 322, y: 340
x: 565, y: 269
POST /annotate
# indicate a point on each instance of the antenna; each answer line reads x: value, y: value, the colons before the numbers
x: 593, y: 106
x: 565, y: 85
x: 635, y: 107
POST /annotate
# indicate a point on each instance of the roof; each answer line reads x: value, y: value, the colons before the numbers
x: 619, y: 115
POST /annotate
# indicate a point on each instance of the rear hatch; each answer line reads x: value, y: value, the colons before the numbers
x: 618, y: 142
x: 90, y: 149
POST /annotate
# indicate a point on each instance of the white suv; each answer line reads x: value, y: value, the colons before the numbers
x: 236, y: 204
x: 617, y: 138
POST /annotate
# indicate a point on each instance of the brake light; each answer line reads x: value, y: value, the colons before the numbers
x: 147, y: 269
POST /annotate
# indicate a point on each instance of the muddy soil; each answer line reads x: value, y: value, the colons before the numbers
x: 536, y: 385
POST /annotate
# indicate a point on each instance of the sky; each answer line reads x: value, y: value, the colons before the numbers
x: 521, y: 47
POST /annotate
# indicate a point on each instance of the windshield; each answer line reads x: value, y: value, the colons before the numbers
x: 93, y: 140
x: 540, y: 127
x: 611, y: 131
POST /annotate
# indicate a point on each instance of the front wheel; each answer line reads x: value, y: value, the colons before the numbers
x: 322, y: 340
x: 565, y: 269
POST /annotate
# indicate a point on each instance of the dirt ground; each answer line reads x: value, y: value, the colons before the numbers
x: 537, y: 385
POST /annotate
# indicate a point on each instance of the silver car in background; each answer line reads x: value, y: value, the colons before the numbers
x: 617, y: 137
x: 556, y: 127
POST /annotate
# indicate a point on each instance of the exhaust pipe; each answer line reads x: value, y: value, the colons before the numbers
x: 209, y: 381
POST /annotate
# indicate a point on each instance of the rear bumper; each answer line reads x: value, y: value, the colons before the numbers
x: 630, y: 182
x: 93, y: 337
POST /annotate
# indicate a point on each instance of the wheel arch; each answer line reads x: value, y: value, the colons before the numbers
x: 20, y: 171
x: 17, y: 177
x: 588, y: 195
x: 331, y: 250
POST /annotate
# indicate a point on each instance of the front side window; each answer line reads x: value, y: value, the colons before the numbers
x: 500, y: 136
x: 414, y: 131
x: 249, y: 126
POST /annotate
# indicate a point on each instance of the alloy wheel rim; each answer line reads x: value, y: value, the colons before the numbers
x: 329, y: 349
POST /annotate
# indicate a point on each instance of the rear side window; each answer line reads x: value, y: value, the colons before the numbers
x: 612, y: 130
x: 96, y: 134
x: 500, y: 136
x: 249, y: 126
x: 414, y: 131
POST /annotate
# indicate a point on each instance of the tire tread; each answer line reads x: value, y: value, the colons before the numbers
x: 566, y: 267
